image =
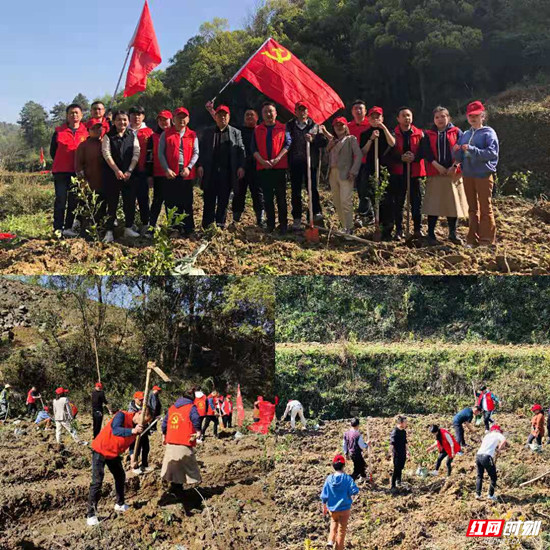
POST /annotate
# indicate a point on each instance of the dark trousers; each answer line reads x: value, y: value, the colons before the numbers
x: 393, y: 202
x: 178, y: 194
x: 398, y: 466
x: 31, y: 409
x: 98, y: 474
x: 432, y: 222
x: 158, y: 200
x: 65, y: 203
x: 273, y: 183
x: 365, y: 191
x: 97, y: 418
x: 239, y: 197
x: 487, y: 419
x: 227, y: 420
x: 484, y: 463
x: 202, y: 424
x: 142, y: 195
x: 112, y: 193
x: 216, y: 198
x: 298, y: 179
x: 359, y: 466
x: 143, y: 450
x: 459, y: 434
x: 440, y: 459
x: 532, y: 438
x: 211, y: 419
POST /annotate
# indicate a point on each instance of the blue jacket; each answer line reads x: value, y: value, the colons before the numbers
x: 481, y: 159
x: 117, y: 426
x: 193, y: 415
x: 337, y: 492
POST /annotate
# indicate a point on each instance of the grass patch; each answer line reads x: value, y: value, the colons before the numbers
x: 28, y: 226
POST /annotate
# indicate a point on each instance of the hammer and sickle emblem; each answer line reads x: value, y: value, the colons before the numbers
x: 278, y: 54
x: 174, y: 421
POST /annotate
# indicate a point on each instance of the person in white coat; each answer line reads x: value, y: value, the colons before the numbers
x: 63, y: 416
x: 294, y: 408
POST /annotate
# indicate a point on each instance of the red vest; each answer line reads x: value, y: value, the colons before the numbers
x: 30, y: 398
x: 488, y: 400
x: 67, y: 144
x: 180, y: 428
x: 172, y: 149
x: 227, y: 407
x: 452, y: 138
x: 110, y: 445
x: 211, y: 412
x: 277, y: 144
x: 417, y: 167
x: 158, y: 172
x: 200, y: 403
x: 357, y: 129
x: 143, y: 135
x: 449, y: 444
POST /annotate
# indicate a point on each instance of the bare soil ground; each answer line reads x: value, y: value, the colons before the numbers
x: 263, y: 492
x: 523, y: 248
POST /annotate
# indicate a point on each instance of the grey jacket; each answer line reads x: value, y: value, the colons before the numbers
x: 346, y: 156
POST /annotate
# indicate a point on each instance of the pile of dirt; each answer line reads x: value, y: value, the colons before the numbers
x: 263, y: 492
x: 523, y: 248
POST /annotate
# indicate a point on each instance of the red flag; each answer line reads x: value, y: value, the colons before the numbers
x: 280, y: 75
x: 267, y: 414
x: 240, y: 407
x: 42, y: 159
x: 146, y: 54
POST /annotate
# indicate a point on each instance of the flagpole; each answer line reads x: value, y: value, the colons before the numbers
x: 239, y: 71
x: 120, y: 78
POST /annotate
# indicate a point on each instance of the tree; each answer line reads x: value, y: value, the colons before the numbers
x: 82, y: 100
x: 33, y: 119
x: 58, y: 114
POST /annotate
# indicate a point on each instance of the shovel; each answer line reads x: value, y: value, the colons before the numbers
x: 377, y: 233
x: 408, y: 227
x: 312, y: 233
x: 371, y: 480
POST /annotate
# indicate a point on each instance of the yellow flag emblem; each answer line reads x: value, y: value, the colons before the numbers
x: 278, y: 54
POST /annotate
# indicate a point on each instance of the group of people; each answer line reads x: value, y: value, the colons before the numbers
x: 124, y: 157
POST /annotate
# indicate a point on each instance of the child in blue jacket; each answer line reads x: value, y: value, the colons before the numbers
x: 336, y: 496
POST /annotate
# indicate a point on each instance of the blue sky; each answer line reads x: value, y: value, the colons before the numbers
x: 54, y: 49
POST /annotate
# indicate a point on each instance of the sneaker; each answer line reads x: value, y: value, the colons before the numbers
x: 109, y: 237
x: 84, y: 443
x: 137, y: 471
x: 129, y: 232
x: 92, y: 521
x: 460, y: 453
x: 69, y: 233
x: 121, y: 507
x: 148, y: 469
x: 494, y: 498
x: 434, y: 473
x: 296, y: 225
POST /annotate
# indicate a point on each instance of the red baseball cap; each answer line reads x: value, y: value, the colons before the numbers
x: 94, y: 122
x: 46, y: 409
x: 181, y: 111
x: 223, y: 108
x: 166, y: 114
x: 228, y: 396
x: 158, y: 388
x: 59, y: 391
x: 475, y: 108
x: 374, y: 110
x: 536, y: 407
x: 340, y: 120
x: 302, y: 104
x: 339, y: 459
x: 99, y: 385
x: 495, y: 428
x: 138, y: 395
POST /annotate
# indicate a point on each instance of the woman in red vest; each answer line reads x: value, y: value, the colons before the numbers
x: 154, y: 168
x: 270, y: 146
x: 178, y: 154
x: 406, y: 152
x: 445, y: 194
x: 65, y: 142
x: 447, y: 446
x: 227, y: 412
x: 31, y: 401
x: 181, y: 428
x: 112, y: 441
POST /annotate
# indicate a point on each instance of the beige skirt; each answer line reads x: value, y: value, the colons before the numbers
x: 180, y: 465
x: 445, y: 197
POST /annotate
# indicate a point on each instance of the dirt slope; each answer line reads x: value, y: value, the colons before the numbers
x: 524, y: 248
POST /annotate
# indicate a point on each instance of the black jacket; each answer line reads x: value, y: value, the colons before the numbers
x: 297, y: 151
x: 206, y: 148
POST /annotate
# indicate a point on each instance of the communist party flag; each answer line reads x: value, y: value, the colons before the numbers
x: 280, y: 75
x: 146, y: 55
x: 42, y: 158
x: 240, y: 407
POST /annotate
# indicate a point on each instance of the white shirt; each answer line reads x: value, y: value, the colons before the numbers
x: 292, y: 405
x: 490, y: 443
x: 61, y: 410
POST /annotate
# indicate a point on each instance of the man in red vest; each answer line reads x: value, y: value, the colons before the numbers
x: 31, y: 401
x: 227, y: 412
x: 407, y: 152
x: 181, y: 429
x: 200, y: 403
x: 65, y: 142
x: 113, y: 440
x: 212, y: 413
x: 270, y: 146
x: 97, y: 115
x: 178, y: 154
x: 447, y: 446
